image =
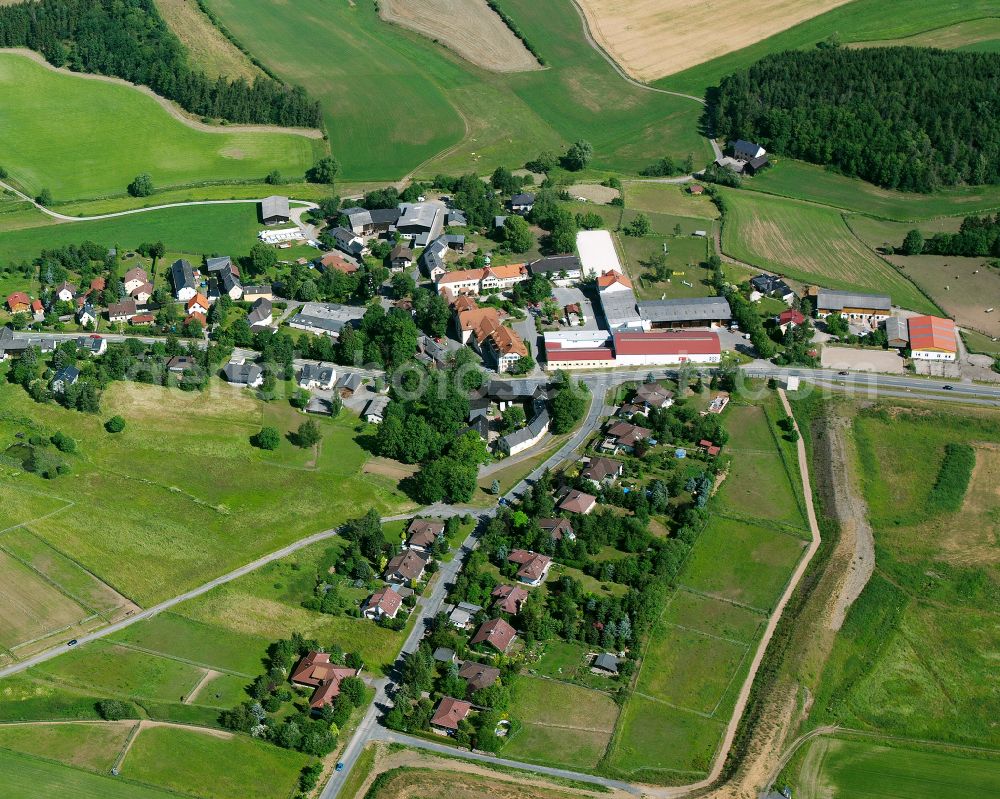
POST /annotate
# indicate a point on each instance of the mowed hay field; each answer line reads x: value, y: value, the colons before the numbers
x: 208, y: 49
x: 395, y: 101
x: 438, y: 783
x: 964, y: 35
x: 653, y: 38
x: 91, y: 137
x: 811, y: 244
x: 852, y: 768
x: 668, y: 198
x: 90, y: 746
x: 472, y: 29
x: 182, y: 494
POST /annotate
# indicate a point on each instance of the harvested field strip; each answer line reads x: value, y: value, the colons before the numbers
x: 469, y: 27
x: 951, y: 37
x: 91, y: 746
x: 811, y: 244
x: 208, y: 48
x: 33, y: 607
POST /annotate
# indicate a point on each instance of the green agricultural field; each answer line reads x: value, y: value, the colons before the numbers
x: 564, y: 725
x: 962, y: 36
x: 201, y: 499
x: 858, y: 21
x: 668, y: 198
x: 457, y: 117
x: 92, y: 137
x: 27, y: 501
x: 193, y: 230
x: 713, y: 617
x: 811, y: 244
x: 30, y: 699
x: 28, y: 777
x: 799, y: 180
x: 838, y: 768
x: 742, y: 562
x: 685, y: 744
x: 89, y: 746
x: 189, y: 762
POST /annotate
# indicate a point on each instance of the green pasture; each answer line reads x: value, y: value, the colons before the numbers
x: 668, y: 198
x: 447, y: 115
x: 802, y: 181
x: 29, y: 699
x: 972, y: 35
x: 27, y: 501
x: 201, y: 499
x: 713, y: 617
x: 91, y: 138
x: 209, y: 767
x: 857, y: 768
x: 89, y: 746
x: 811, y: 244
x: 858, y: 21
x: 741, y: 562
x: 27, y: 777
x: 191, y: 230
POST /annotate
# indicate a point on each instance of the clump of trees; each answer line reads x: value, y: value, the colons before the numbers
x: 569, y: 404
x: 901, y: 117
x: 142, y: 186
x: 978, y: 236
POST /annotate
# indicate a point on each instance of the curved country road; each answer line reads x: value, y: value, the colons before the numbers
x: 302, y: 206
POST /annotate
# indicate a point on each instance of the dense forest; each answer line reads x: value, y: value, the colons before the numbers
x: 977, y: 236
x: 901, y: 117
x: 129, y: 39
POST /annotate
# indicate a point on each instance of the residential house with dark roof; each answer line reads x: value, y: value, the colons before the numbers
x: 92, y: 345
x: 653, y: 395
x: 558, y: 529
x: 64, y: 378
x: 560, y: 269
x: 527, y: 436
x: 407, y: 566
x: 260, y: 314
x: 624, y: 436
x: 478, y: 675
x: 509, y: 598
x: 601, y: 470
x: 122, y: 311
x: 495, y: 633
x: 853, y: 305
x: 371, y: 222
x: 462, y: 614
x: 65, y: 291
x: 401, y: 257
x: 384, y: 603
x: 321, y: 376
x: 242, y: 372
x: 422, y: 533
x: 522, y: 203
x: 534, y: 566
x: 765, y: 285
x: 606, y: 662
x: 182, y: 279
x: 348, y: 241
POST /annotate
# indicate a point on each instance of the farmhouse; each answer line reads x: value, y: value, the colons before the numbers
x: 478, y: 675
x: 316, y: 671
x: 384, y: 603
x: 260, y: 314
x: 365, y: 222
x: 495, y: 633
x: 854, y: 306
x: 346, y: 240
x: 182, y: 278
x: 526, y: 437
x: 331, y: 261
x: 897, y: 332
x: 690, y: 312
x: 789, y: 319
x: 18, y: 302
x: 325, y: 318
x: 274, y: 210
x: 558, y: 529
x: 522, y: 203
x: 747, y: 150
x: 406, y: 567
x: 134, y: 278
x: 558, y: 268
x: 416, y: 219
x: 597, y: 253
x: 449, y: 713
x: 577, y: 502
x: 666, y: 347
x: 142, y: 293
x: 401, y: 257
x: 317, y: 376
x: 765, y: 285
x: 240, y: 372
x: 509, y: 598
x: 932, y: 338
x: 534, y: 566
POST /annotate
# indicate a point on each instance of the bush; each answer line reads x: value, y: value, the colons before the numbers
x: 268, y: 438
x: 63, y: 442
x: 116, y: 710
x: 142, y: 186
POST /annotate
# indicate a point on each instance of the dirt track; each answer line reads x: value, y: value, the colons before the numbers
x: 469, y: 27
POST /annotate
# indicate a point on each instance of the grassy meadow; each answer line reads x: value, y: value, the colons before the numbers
x: 455, y: 116
x: 668, y: 198
x: 810, y: 244
x: 91, y: 138
x: 93, y: 747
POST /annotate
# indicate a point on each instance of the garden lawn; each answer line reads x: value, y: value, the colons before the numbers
x: 212, y: 767
x: 28, y: 777
x: 862, y: 769
x: 811, y: 244
x: 91, y: 138
x: 741, y: 562
x: 201, y: 499
x: 90, y: 746
x: 460, y: 118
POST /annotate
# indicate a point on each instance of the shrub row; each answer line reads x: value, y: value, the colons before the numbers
x: 509, y: 22
x: 953, y: 479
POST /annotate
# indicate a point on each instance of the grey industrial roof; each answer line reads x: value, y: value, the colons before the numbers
x: 830, y: 299
x: 619, y: 307
x: 693, y: 309
x: 326, y: 316
x: 456, y: 217
x: 896, y: 328
x: 376, y: 405
x: 274, y: 206
x: 554, y: 263
x: 417, y: 215
x: 350, y: 381
x: 606, y: 661
x: 182, y: 274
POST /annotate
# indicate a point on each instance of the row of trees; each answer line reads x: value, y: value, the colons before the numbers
x: 978, y: 236
x: 129, y: 39
x: 901, y: 117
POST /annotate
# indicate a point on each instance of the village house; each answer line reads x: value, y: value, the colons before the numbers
x: 534, y: 566
x: 462, y: 614
x: 135, y: 277
x: 509, y: 598
x: 182, y: 279
x: 577, y: 502
x: 64, y: 378
x: 482, y: 281
x: 86, y: 315
x: 369, y: 223
x: 654, y: 395
x: 316, y: 671
x: 407, y: 566
x: 522, y: 203
x: 37, y: 311
x: 374, y: 412
x: 606, y: 663
x: 789, y: 319
x: 478, y: 675
x: 241, y: 372
x: 432, y: 259
x: 495, y: 633
x: 260, y: 314
x: 558, y: 529
x: 92, y: 345
x: 422, y: 533
x: 321, y: 376
x: 331, y: 261
x: 401, y: 257
x: 624, y: 436
x: 122, y: 311
x: 384, y: 603
x: 197, y: 304
x: 65, y: 291
x: 254, y: 293
x: 602, y: 470
x: 142, y: 293
x: 450, y: 712
x: 527, y: 436
x: 18, y: 302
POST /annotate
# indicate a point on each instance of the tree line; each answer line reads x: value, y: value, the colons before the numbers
x: 129, y: 39
x: 978, y: 236
x: 901, y: 117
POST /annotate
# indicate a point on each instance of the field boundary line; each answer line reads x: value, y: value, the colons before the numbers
x: 52, y: 633
x: 70, y: 504
x: 771, y: 526
x: 732, y: 679
x: 738, y: 604
x: 179, y: 659
x: 45, y: 578
x: 744, y: 644
x: 771, y: 425
x: 133, y: 734
x: 703, y: 713
x: 567, y: 727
